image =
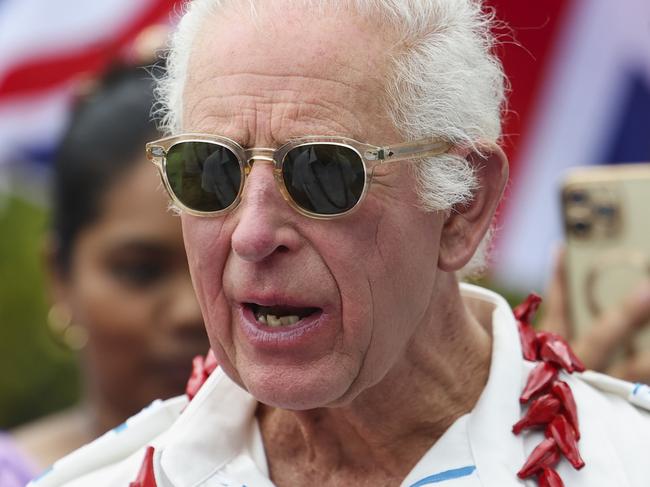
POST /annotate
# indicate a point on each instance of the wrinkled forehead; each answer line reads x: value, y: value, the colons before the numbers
x: 282, y: 33
x: 336, y: 54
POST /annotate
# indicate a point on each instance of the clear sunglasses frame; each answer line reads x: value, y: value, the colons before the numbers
x: 371, y: 156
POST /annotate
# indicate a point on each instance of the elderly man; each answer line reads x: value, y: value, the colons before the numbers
x: 335, y: 167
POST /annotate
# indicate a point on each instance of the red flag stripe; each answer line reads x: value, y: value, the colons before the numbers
x: 535, y: 26
x: 40, y: 74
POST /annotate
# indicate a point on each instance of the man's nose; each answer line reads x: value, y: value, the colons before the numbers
x: 264, y: 218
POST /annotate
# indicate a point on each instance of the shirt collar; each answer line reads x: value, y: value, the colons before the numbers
x: 497, y: 452
x: 216, y: 425
x: 211, y: 431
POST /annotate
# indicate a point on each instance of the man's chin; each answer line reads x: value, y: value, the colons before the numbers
x: 296, y: 394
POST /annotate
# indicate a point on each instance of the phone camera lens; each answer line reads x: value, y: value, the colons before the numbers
x: 606, y: 211
x: 577, y: 197
x: 581, y: 228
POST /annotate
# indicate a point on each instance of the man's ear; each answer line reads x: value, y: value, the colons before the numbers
x: 467, y: 223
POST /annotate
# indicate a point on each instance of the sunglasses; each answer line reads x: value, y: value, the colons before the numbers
x: 320, y: 177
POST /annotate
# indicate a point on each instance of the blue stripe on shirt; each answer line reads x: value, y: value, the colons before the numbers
x: 455, y: 473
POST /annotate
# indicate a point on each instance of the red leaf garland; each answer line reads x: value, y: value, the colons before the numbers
x: 201, y: 370
x: 552, y: 404
x: 145, y: 476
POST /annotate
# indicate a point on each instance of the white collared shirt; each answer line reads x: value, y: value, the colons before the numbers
x: 216, y: 442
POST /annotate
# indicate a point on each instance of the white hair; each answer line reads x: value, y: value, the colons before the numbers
x: 443, y: 80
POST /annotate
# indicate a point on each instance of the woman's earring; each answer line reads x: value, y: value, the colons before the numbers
x: 64, y: 331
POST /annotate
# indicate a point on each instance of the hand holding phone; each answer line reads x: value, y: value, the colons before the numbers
x: 599, y: 346
x: 600, y: 292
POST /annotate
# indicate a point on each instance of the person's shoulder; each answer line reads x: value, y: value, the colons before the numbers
x: 114, y: 458
x: 50, y: 437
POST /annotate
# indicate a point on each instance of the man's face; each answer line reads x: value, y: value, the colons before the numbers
x: 361, y: 284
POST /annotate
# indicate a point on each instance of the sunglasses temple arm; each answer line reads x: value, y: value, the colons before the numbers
x: 410, y: 149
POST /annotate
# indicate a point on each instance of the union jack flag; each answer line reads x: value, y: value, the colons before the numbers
x: 580, y: 96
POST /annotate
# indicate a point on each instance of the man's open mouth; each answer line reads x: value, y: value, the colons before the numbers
x: 276, y: 316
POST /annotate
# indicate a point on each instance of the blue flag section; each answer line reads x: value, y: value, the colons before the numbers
x: 631, y: 137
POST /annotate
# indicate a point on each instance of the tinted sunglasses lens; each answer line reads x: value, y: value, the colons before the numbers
x: 204, y: 176
x: 324, y: 178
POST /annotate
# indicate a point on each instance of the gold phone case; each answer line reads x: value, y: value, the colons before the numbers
x: 606, y: 213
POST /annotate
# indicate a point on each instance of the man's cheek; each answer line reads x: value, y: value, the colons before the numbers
x: 203, y: 234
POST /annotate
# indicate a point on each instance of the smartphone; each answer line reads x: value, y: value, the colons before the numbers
x: 606, y: 212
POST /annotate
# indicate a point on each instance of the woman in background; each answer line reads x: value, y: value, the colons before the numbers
x: 121, y: 285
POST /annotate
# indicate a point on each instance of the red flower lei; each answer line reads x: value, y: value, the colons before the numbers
x: 551, y: 402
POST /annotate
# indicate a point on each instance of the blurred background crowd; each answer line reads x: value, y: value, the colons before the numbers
x: 84, y: 280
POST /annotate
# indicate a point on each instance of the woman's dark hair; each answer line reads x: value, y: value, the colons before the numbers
x: 105, y: 138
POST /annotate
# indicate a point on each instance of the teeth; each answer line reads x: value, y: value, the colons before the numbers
x: 271, y: 320
x: 275, y: 321
x: 289, y: 320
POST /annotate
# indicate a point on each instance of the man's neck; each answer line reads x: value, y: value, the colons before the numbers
x: 387, y: 428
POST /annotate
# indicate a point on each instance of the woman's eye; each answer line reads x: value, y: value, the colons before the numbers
x: 138, y: 274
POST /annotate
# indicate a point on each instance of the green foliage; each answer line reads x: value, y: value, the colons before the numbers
x: 36, y: 376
